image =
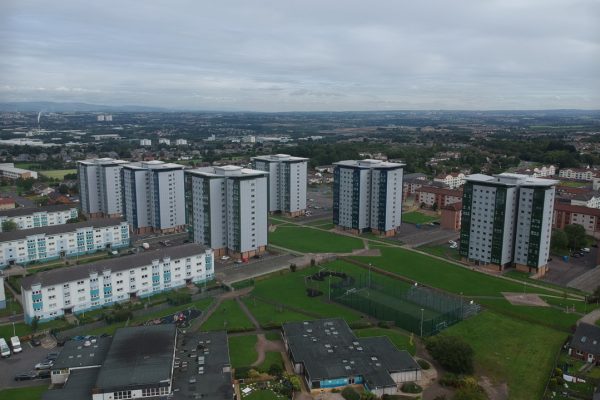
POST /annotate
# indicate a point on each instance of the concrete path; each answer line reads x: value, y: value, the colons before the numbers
x: 590, y: 318
x: 588, y: 282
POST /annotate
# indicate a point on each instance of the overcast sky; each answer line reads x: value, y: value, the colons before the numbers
x: 284, y: 55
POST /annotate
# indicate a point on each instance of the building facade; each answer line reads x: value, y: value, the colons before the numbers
x: 153, y: 196
x: 507, y: 220
x: 9, y: 171
x: 2, y: 294
x: 567, y: 214
x: 452, y: 180
x: 70, y: 240
x: 367, y: 196
x: 145, y: 142
x: 579, y: 174
x: 227, y: 209
x: 100, y: 187
x: 28, y: 218
x: 437, y: 197
x: 286, y: 181
x: 76, y: 289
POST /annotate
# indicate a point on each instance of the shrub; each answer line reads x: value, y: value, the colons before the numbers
x: 119, y: 315
x: 423, y: 364
x: 450, y: 380
x: 385, y: 324
x: 411, y: 387
x: 293, y: 267
x: 275, y: 370
x: 453, y: 353
x: 349, y: 393
x: 470, y: 393
x: 242, y: 372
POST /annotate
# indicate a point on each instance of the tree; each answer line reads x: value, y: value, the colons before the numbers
x: 452, y: 353
x: 576, y: 235
x: 35, y: 322
x: 560, y: 240
x: 9, y: 226
x: 63, y: 189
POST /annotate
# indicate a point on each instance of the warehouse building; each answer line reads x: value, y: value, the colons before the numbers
x: 507, y: 220
x: 328, y: 355
x: 227, y: 209
x: 51, y: 294
x: 153, y: 197
x: 69, y: 240
x: 286, y: 181
x: 367, y: 196
x: 28, y: 218
x: 100, y: 188
x: 79, y: 355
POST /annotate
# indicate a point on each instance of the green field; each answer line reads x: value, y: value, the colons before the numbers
x: 400, y: 339
x: 441, y: 250
x: 242, y: 350
x: 416, y: 217
x: 309, y: 240
x: 263, y: 394
x: 269, y: 315
x: 25, y: 393
x: 58, y: 173
x: 507, y: 350
x: 324, y: 223
x: 229, y: 316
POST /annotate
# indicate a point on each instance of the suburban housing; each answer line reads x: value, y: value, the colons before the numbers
x: 585, y: 344
x: 367, y: 196
x: 50, y: 294
x: 328, y: 355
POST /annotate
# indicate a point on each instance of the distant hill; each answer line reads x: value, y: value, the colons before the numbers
x: 49, y: 106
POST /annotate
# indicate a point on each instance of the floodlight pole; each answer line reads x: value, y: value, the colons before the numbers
x: 422, y: 311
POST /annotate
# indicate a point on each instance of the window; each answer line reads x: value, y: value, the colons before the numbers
x: 124, y: 394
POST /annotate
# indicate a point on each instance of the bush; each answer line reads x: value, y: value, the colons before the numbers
x: 275, y: 370
x: 470, y: 393
x: 120, y: 315
x: 242, y: 372
x: 450, y: 380
x: 453, y: 353
x: 423, y: 364
x: 360, y: 324
x: 293, y: 267
x: 385, y: 324
x: 349, y: 393
x: 411, y: 387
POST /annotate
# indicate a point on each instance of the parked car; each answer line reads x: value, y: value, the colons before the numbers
x: 46, y: 364
x: 26, y: 376
x: 52, y: 356
x: 15, y: 343
x: 43, y: 374
x: 224, y: 258
x: 35, y: 342
x: 586, y: 249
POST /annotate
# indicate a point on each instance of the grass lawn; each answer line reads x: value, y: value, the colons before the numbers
x: 524, y: 276
x: 308, y: 240
x: 22, y: 329
x: 242, y: 350
x: 441, y: 250
x: 573, y: 183
x: 271, y: 357
x: 12, y: 306
x: 400, y: 340
x: 415, y: 217
x: 58, y: 173
x: 263, y: 394
x: 25, y: 393
x: 507, y: 350
x: 324, y: 223
x: 228, y: 316
x: 269, y: 315
x: 292, y: 284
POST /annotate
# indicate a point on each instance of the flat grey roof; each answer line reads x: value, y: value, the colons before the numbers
x: 215, y: 381
x: 509, y: 179
x: 58, y: 229
x: 279, y: 158
x: 369, y: 164
x: 75, y: 355
x: 59, y: 275
x: 226, y: 171
x: 329, y: 350
x: 138, y: 357
x: 78, y: 386
x: 20, y: 211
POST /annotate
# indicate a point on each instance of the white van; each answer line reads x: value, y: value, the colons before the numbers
x: 4, y: 349
x: 15, y: 344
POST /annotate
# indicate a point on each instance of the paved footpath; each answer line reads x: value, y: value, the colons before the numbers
x: 590, y: 318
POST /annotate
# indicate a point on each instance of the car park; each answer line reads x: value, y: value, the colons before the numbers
x: 26, y: 376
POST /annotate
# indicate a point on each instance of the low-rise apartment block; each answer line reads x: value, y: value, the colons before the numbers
x: 567, y: 214
x: 438, y: 197
x: 367, y: 196
x: 153, y: 196
x: 507, y: 220
x: 227, y: 209
x: 580, y: 174
x: 100, y: 188
x: 80, y: 288
x: 69, y: 240
x: 9, y: 171
x: 452, y: 180
x: 28, y: 218
x: 287, y: 182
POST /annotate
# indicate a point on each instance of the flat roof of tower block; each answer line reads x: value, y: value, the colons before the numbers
x: 17, y: 212
x: 59, y: 275
x: 138, y: 357
x: 329, y: 350
x: 227, y: 171
x: 510, y: 179
x: 368, y: 163
x: 102, y: 161
x: 280, y: 158
x: 58, y: 229
x: 154, y: 165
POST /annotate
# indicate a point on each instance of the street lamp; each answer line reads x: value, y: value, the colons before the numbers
x: 422, y: 311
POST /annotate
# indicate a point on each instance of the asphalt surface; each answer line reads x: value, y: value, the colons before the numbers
x: 562, y: 272
x: 20, y: 363
x: 412, y: 236
x: 231, y: 273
